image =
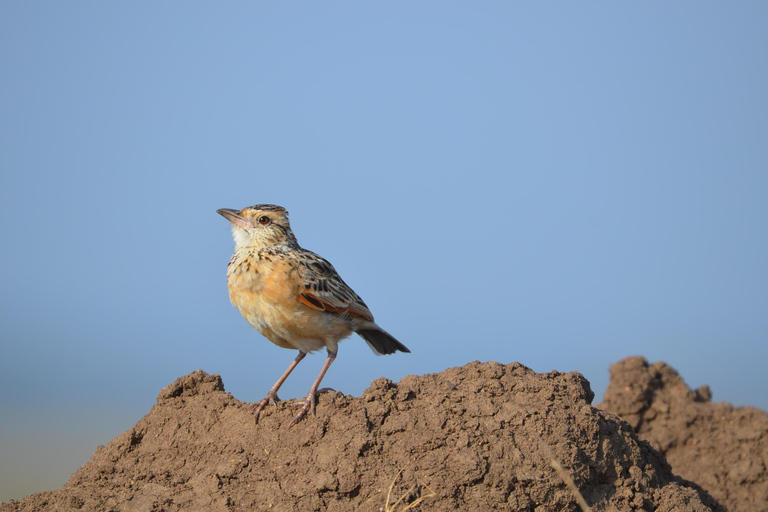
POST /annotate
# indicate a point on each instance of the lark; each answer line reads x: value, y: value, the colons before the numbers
x: 294, y: 297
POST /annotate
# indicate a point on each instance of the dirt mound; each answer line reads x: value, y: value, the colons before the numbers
x: 722, y: 448
x: 479, y: 437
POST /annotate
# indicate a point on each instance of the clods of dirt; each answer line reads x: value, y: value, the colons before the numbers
x: 721, y: 447
x: 485, y: 436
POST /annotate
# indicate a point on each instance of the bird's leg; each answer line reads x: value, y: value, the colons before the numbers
x: 309, y: 403
x: 272, y: 397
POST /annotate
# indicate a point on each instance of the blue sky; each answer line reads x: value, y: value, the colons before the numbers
x: 559, y: 184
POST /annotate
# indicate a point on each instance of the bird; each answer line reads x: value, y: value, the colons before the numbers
x: 293, y: 297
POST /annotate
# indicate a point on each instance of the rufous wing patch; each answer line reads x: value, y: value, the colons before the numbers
x: 317, y: 303
x: 312, y: 301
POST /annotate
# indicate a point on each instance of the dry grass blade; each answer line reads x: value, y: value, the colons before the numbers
x: 571, y: 484
x: 422, y: 498
x: 393, y: 507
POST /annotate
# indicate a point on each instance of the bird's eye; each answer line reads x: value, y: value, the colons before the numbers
x: 264, y: 220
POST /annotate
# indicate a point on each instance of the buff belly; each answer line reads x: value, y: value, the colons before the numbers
x: 289, y: 323
x: 267, y: 294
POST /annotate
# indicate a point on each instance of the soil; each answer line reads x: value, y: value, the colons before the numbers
x: 721, y: 447
x: 485, y: 436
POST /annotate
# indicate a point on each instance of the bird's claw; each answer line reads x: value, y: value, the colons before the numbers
x: 308, y: 406
x: 270, y: 399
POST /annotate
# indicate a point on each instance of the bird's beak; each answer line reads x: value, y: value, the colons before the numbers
x: 235, y: 218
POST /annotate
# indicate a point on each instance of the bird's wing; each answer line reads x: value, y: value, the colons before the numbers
x: 322, y: 288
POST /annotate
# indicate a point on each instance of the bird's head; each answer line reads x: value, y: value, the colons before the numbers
x: 261, y: 226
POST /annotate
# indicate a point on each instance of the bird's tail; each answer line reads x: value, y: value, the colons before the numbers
x: 380, y: 341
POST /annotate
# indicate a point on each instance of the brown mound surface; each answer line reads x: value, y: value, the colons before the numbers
x: 478, y: 437
x: 722, y: 448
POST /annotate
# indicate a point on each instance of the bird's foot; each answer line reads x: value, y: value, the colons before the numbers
x: 270, y: 399
x: 309, y: 405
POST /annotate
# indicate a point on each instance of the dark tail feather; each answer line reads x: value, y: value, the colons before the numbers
x: 381, y: 342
